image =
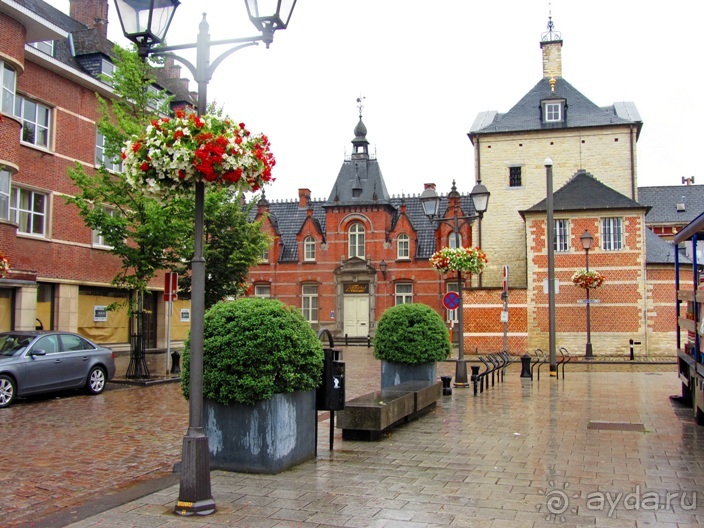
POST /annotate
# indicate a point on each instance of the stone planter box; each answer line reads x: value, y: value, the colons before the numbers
x: 268, y: 437
x: 370, y: 416
x: 393, y: 374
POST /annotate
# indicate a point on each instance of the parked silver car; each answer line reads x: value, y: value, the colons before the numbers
x: 37, y: 361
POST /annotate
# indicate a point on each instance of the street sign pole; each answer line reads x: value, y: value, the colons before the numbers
x: 504, y: 314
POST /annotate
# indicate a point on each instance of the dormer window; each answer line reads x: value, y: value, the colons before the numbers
x: 553, y: 111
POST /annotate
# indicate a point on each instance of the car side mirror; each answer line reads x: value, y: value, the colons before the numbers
x: 38, y: 352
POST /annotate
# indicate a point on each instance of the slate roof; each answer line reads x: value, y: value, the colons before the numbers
x: 288, y: 217
x: 583, y: 192
x: 663, y: 201
x: 659, y: 251
x: 580, y: 112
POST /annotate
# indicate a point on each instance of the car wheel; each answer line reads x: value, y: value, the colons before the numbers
x: 96, y: 381
x: 8, y: 390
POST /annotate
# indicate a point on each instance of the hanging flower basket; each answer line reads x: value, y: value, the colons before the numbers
x: 588, y: 279
x: 175, y: 153
x: 4, y: 265
x: 469, y: 260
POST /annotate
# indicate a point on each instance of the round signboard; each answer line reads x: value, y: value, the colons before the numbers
x: 451, y: 300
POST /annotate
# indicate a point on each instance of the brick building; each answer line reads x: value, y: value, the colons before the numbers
x: 346, y: 259
x: 314, y: 262
x: 60, y: 274
x: 593, y: 151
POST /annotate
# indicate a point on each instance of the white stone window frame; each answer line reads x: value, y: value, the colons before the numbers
x: 101, y: 158
x: 403, y: 293
x: 36, y: 118
x: 309, y: 249
x: 552, y: 111
x: 8, y: 82
x: 403, y: 247
x: 309, y: 302
x: 5, y: 189
x: 356, y: 240
x: 29, y: 209
x: 562, y: 235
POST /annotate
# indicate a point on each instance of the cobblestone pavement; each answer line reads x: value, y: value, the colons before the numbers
x: 520, y: 454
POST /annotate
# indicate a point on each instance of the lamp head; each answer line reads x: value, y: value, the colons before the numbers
x: 270, y: 15
x: 480, y: 198
x: 430, y: 200
x: 587, y: 239
x: 145, y: 22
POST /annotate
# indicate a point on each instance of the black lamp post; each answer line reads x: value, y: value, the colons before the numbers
x: 431, y: 205
x: 587, y: 239
x: 145, y: 23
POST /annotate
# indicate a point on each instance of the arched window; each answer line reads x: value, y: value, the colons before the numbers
x: 403, y: 247
x: 309, y: 248
x: 356, y: 240
x: 454, y: 240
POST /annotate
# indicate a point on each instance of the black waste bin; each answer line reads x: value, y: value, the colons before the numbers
x: 330, y: 395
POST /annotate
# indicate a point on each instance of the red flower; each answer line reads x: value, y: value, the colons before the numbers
x: 144, y: 166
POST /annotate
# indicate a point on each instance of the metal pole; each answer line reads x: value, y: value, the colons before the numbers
x: 168, y: 334
x: 551, y: 268
x: 461, y: 366
x: 195, y: 496
x: 588, y: 354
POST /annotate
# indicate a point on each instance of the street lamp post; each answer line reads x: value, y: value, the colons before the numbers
x: 550, y: 243
x: 145, y: 22
x: 587, y: 239
x: 431, y: 205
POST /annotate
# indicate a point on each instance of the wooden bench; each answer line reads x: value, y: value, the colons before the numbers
x: 368, y: 417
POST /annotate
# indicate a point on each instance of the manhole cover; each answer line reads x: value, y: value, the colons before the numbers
x: 616, y: 426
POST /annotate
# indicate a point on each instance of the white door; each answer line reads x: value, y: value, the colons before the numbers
x: 357, y: 315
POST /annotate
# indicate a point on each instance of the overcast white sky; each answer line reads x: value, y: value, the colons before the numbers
x: 426, y: 69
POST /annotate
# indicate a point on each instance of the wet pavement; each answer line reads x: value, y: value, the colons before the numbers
x: 519, y: 454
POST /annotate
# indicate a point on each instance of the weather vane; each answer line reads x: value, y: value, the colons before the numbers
x: 551, y: 35
x: 360, y: 105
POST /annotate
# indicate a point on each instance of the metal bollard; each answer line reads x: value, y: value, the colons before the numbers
x: 446, y: 388
x: 474, y: 378
x: 369, y: 341
x: 525, y: 366
x: 631, y: 342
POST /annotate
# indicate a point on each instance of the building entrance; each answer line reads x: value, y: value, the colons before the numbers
x: 356, y: 315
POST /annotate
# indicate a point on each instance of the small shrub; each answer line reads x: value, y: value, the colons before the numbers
x: 254, y: 348
x: 413, y: 334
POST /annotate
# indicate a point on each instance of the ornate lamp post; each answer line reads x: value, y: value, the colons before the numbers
x: 587, y: 239
x: 431, y: 205
x: 551, y: 268
x: 145, y: 22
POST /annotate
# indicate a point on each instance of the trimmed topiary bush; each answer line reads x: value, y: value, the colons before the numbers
x: 254, y: 348
x: 413, y: 334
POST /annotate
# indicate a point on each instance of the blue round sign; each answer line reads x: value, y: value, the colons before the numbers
x: 451, y: 300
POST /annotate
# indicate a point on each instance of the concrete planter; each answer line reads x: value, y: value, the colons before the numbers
x: 268, y: 437
x: 393, y: 374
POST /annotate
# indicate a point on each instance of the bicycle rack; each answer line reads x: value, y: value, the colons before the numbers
x: 564, y: 361
x: 484, y: 374
x: 542, y: 359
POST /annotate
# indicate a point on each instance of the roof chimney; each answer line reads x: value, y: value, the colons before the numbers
x: 303, y: 198
x: 551, y: 44
x: 92, y: 13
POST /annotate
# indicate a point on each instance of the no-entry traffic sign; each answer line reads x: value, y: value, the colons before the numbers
x: 451, y: 300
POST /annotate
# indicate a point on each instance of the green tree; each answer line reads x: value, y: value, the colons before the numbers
x: 232, y: 245
x: 148, y: 235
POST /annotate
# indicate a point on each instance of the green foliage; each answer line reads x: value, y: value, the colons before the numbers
x: 413, y: 334
x: 233, y: 244
x: 146, y: 235
x: 254, y: 348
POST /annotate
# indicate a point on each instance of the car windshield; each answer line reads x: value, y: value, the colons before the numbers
x: 13, y: 344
